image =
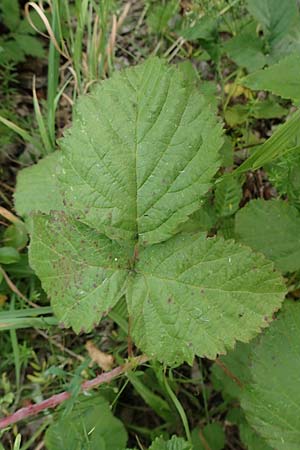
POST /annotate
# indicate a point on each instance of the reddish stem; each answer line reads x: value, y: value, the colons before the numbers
x: 229, y: 373
x: 57, y: 399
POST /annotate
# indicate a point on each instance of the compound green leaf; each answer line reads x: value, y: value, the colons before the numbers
x: 277, y: 16
x: 284, y: 174
x: 37, y: 187
x: 227, y: 151
x: 151, y: 148
x: 202, y: 220
x: 30, y: 45
x: 282, y: 78
x: 141, y: 153
x: 228, y: 195
x: 91, y: 425
x: 83, y: 272
x: 272, y: 399
x: 192, y: 295
x: 175, y: 443
x: 273, y: 228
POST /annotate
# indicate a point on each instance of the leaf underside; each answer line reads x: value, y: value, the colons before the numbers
x: 137, y: 162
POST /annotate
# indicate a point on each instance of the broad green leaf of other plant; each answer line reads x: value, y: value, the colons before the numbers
x: 273, y: 228
x: 272, y: 399
x: 91, y: 425
x: 237, y: 362
x: 277, y: 16
x: 136, y: 164
x: 282, y: 78
x: 231, y: 378
x: 213, y: 434
x: 246, y: 49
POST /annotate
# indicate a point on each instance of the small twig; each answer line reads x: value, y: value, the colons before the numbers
x: 228, y: 7
x: 116, y: 24
x: 113, y: 36
x: 57, y: 399
x: 229, y: 373
x: 203, y: 440
x: 14, y: 288
x: 129, y: 340
x: 59, y: 345
x: 69, y: 100
x: 123, y: 15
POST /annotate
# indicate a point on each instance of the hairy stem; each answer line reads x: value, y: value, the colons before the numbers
x: 57, y: 399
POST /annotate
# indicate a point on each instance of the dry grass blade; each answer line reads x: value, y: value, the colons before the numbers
x: 50, y: 34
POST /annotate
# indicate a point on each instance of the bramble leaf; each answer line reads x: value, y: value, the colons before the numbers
x: 37, y: 187
x: 175, y: 443
x: 273, y: 228
x: 151, y: 147
x: 271, y: 400
x: 192, y: 295
x: 83, y: 272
